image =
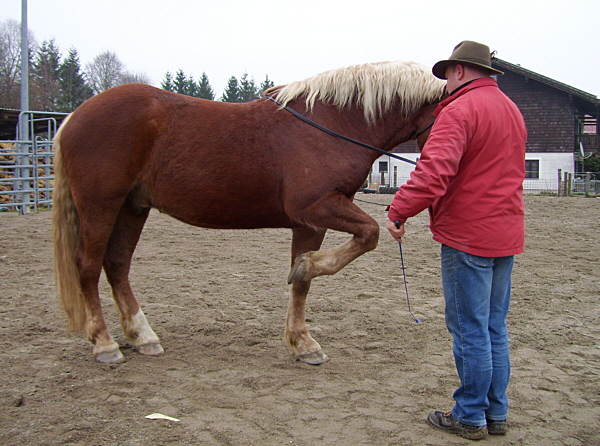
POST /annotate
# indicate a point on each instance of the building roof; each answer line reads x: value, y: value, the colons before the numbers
x: 518, y: 69
x: 9, y: 120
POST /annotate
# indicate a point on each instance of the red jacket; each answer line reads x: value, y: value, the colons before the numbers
x: 470, y: 174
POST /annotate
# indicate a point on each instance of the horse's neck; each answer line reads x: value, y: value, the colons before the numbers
x: 384, y: 132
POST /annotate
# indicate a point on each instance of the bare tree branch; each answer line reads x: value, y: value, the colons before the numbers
x: 104, y: 72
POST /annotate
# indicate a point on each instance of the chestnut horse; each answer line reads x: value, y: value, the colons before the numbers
x: 135, y: 147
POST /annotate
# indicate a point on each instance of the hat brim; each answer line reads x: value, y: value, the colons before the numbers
x: 439, y: 69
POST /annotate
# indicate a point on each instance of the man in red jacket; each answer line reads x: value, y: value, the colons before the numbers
x: 470, y: 176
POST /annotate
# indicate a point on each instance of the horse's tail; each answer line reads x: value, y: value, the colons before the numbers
x: 65, y: 230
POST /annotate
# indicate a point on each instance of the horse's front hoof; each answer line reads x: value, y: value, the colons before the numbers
x: 150, y: 349
x: 313, y: 358
x: 299, y: 270
x: 110, y: 357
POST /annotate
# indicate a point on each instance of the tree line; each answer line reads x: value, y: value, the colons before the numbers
x: 58, y: 83
x: 242, y: 90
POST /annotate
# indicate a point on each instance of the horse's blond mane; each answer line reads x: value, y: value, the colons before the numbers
x: 375, y: 87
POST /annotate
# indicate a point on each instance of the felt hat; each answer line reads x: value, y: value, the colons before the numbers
x: 467, y: 53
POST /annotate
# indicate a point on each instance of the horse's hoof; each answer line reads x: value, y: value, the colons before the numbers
x: 313, y: 358
x: 150, y: 349
x: 110, y: 357
x: 299, y: 270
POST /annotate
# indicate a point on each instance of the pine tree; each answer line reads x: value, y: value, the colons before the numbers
x: 45, y: 78
x: 74, y: 89
x: 167, y: 83
x: 191, y: 88
x: 267, y: 83
x: 248, y: 90
x: 180, y: 82
x: 205, y: 90
x: 232, y: 91
x: 184, y: 84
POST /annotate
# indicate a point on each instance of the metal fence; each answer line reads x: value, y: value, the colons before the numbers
x: 573, y: 184
x: 586, y: 183
x: 26, y: 168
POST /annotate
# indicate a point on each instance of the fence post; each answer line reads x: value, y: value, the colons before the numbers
x: 588, y: 179
x: 23, y: 172
x: 559, y: 181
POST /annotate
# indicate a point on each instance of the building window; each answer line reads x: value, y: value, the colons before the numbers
x: 532, y: 169
x: 383, y: 166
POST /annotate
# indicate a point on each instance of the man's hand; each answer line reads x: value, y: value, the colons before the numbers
x: 396, y: 232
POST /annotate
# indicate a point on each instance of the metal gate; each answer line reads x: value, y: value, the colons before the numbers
x: 26, y: 167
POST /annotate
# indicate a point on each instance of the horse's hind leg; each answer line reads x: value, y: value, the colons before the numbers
x: 117, y: 262
x: 303, y: 346
x: 95, y: 228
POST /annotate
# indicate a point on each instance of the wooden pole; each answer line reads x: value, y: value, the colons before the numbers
x: 559, y: 181
x: 588, y: 179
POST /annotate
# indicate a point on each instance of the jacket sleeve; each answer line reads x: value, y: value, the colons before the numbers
x: 438, y: 164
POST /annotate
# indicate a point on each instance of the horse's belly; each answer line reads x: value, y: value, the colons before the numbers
x: 213, y: 210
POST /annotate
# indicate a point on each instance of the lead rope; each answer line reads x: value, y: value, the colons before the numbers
x: 345, y: 138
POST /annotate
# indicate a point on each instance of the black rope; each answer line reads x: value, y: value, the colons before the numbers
x: 427, y: 127
x: 337, y: 135
x: 370, y: 202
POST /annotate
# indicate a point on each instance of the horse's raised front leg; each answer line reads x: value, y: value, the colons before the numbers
x: 336, y: 212
x: 303, y: 346
x: 117, y: 262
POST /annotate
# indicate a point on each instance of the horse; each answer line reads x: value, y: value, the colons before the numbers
x: 135, y: 147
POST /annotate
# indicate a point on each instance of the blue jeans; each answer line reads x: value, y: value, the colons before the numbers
x: 477, y: 294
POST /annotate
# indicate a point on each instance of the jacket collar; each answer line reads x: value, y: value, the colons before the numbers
x: 464, y: 89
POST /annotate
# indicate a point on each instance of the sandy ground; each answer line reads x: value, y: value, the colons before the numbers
x: 218, y: 300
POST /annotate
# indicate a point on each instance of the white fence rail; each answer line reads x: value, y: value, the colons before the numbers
x: 572, y: 184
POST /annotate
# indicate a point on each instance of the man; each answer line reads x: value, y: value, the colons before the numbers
x: 470, y: 176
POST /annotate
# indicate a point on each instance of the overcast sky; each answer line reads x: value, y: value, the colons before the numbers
x: 294, y: 39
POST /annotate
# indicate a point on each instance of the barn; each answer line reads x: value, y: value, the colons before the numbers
x: 561, y: 123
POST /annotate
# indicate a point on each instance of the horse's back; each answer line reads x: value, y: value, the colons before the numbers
x: 138, y: 114
x: 120, y: 112
x: 201, y: 161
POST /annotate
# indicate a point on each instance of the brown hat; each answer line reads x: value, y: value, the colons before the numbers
x: 468, y: 53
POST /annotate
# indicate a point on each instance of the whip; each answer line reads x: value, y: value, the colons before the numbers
x: 418, y: 321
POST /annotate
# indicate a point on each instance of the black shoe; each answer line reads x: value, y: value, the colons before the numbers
x: 446, y: 422
x: 496, y: 427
